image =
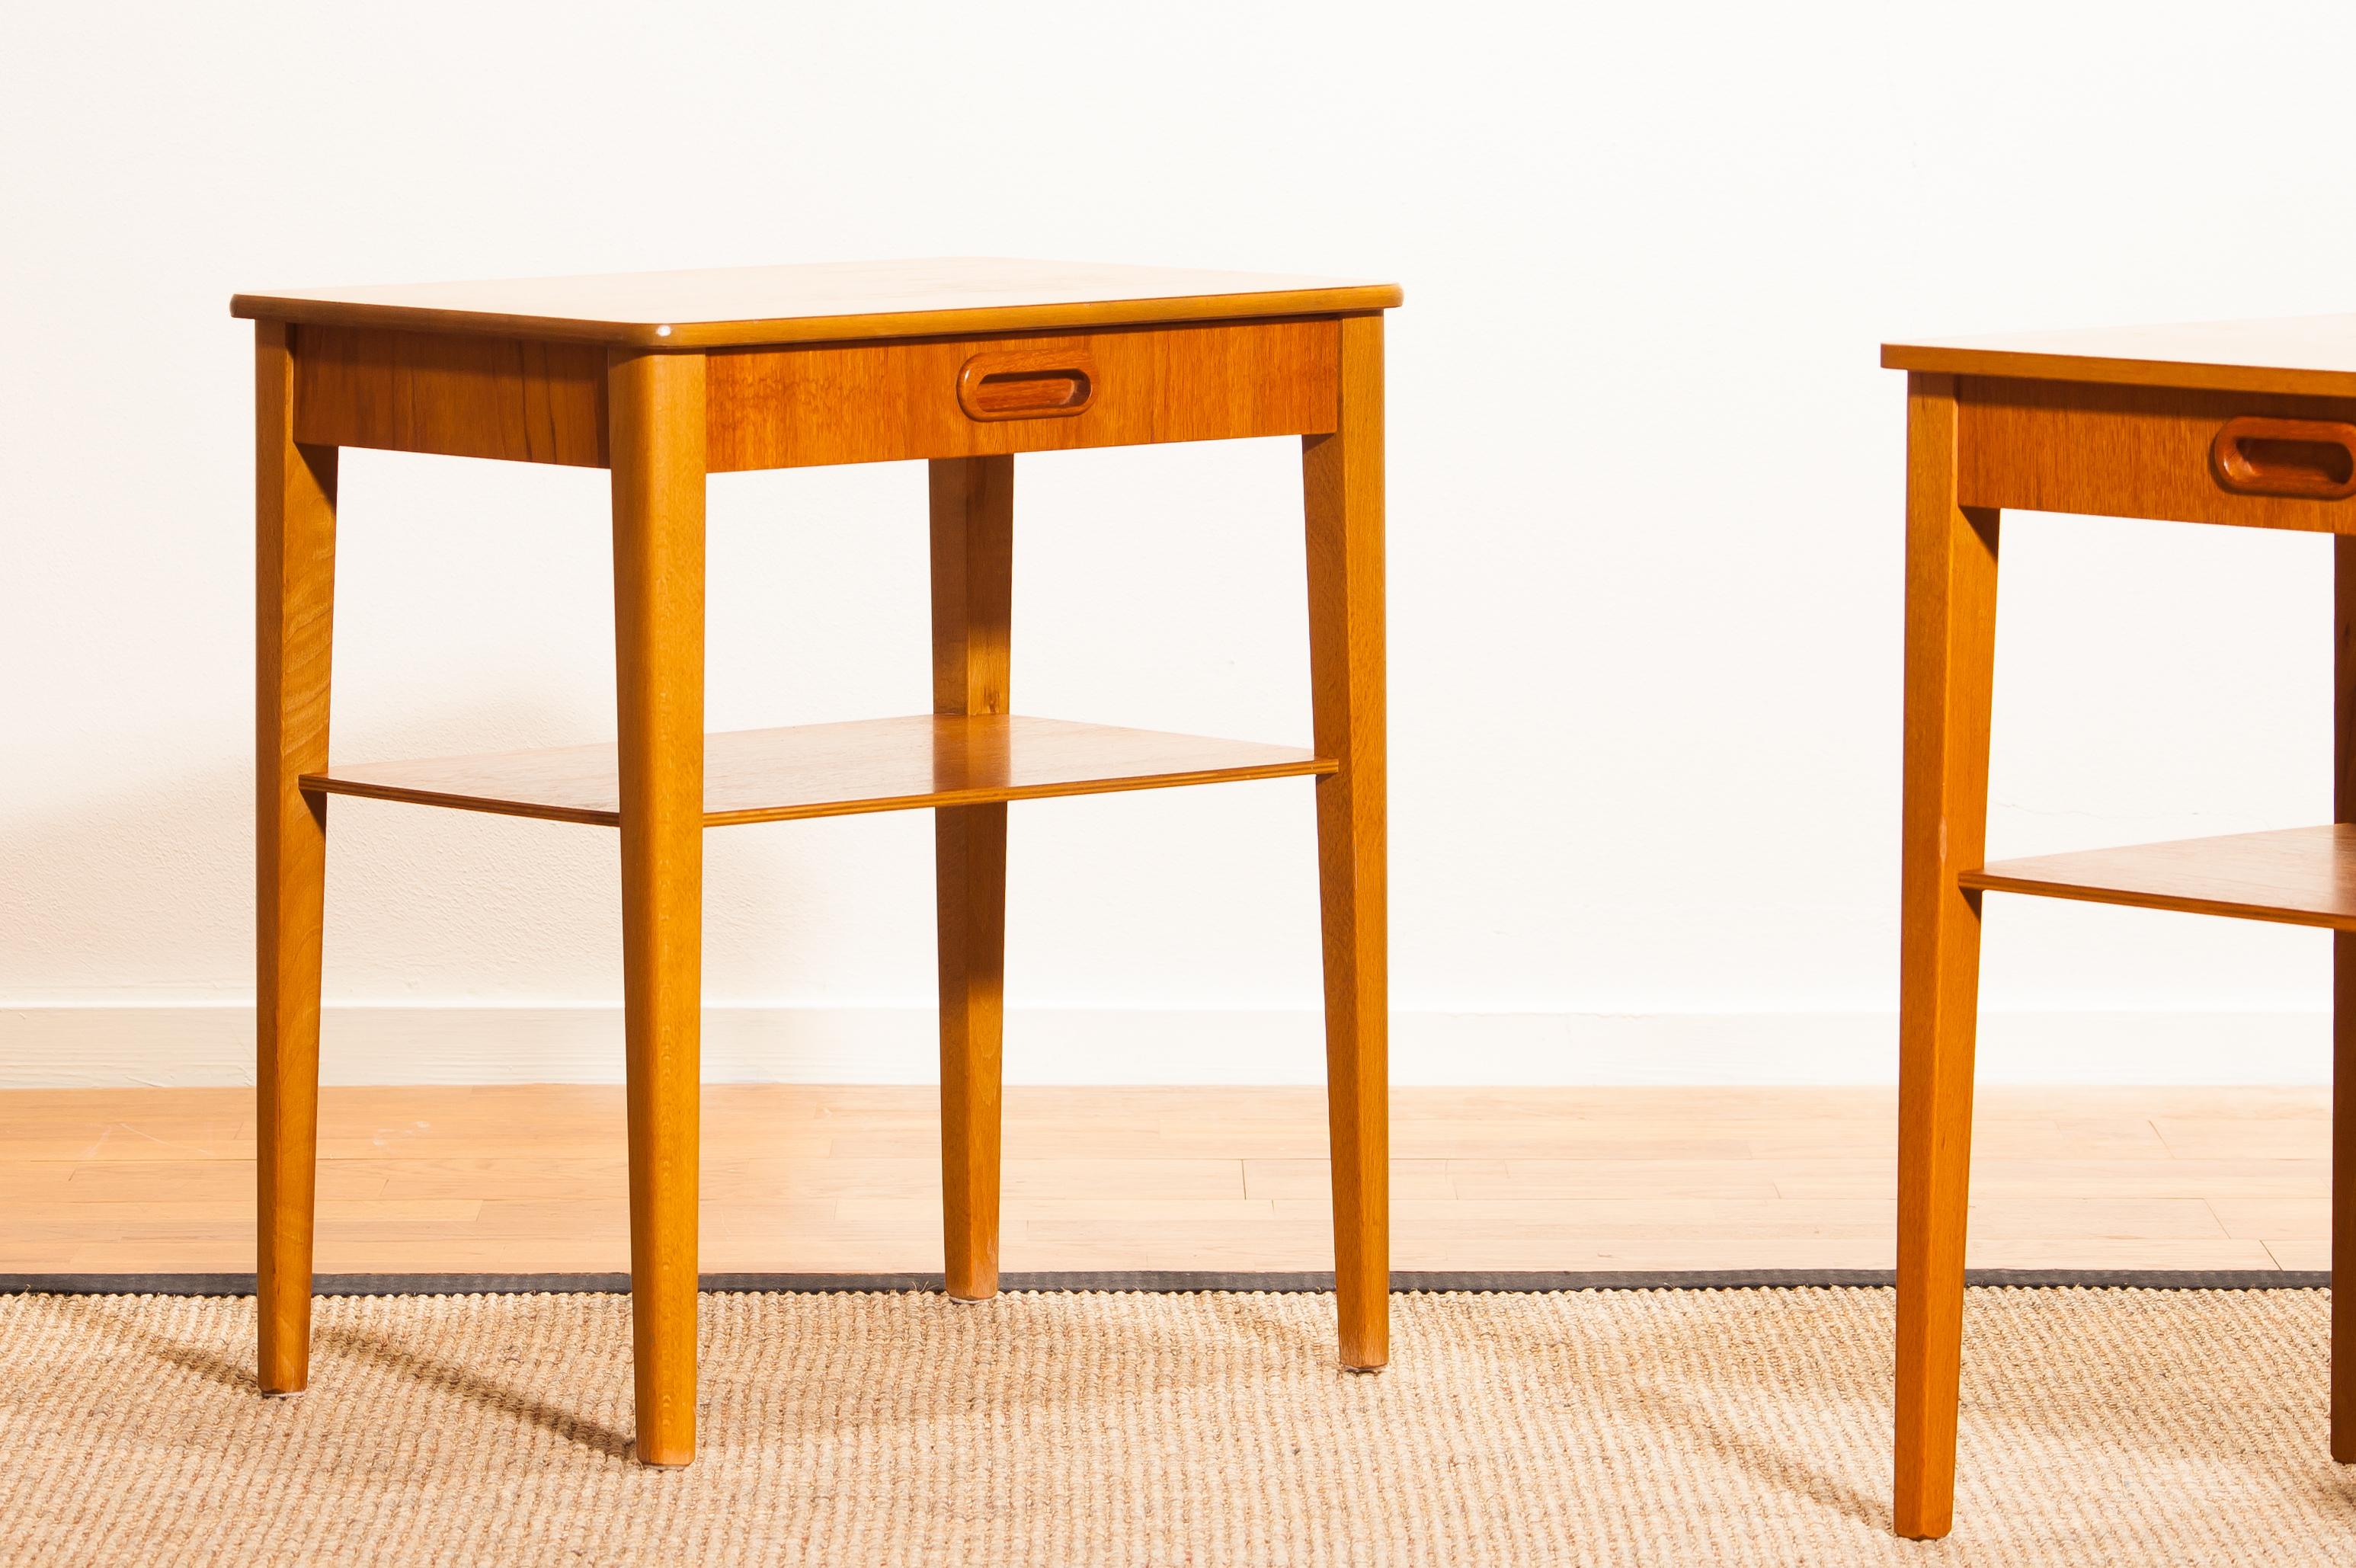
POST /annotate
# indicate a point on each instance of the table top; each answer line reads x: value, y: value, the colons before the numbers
x: 2313, y: 354
x: 828, y: 302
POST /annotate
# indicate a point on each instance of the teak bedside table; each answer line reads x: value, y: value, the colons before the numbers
x: 665, y: 377
x: 2251, y: 423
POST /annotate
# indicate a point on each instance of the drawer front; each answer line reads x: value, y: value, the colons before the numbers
x: 861, y: 402
x: 2255, y: 460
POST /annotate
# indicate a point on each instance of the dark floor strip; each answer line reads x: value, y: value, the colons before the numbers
x: 1166, y: 1280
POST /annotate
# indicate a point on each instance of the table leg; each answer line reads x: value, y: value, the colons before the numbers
x: 2343, y: 1019
x: 1343, y: 488
x: 1951, y: 558
x: 657, y: 447
x: 295, y: 597
x: 972, y: 504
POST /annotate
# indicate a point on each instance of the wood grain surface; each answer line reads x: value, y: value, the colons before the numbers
x: 833, y: 1178
x: 1343, y: 485
x: 456, y: 395
x: 528, y: 400
x: 2343, y: 1010
x: 2300, y: 876
x: 972, y: 530
x: 1951, y: 576
x: 878, y: 403
x: 293, y: 625
x: 826, y: 301
x: 832, y: 770
x: 2314, y: 354
x: 657, y: 439
x: 2126, y: 452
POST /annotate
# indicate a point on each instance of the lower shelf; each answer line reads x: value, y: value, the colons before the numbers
x: 2302, y: 875
x: 836, y: 770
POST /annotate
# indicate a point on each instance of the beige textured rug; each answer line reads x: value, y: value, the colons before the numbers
x: 1672, y: 1426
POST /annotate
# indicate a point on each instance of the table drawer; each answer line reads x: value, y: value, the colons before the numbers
x: 873, y: 402
x: 2258, y: 460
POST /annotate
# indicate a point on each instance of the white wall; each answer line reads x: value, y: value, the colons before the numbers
x: 1644, y: 516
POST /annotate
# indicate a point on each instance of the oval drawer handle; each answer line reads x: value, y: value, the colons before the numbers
x: 2315, y: 459
x: 1027, y: 384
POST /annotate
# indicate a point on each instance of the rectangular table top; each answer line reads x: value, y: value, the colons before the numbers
x: 825, y: 302
x: 2315, y: 355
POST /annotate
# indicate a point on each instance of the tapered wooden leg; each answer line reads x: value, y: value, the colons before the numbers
x: 2343, y: 1193
x: 1342, y: 486
x: 295, y: 599
x: 656, y: 440
x: 2343, y: 1021
x: 1951, y: 554
x: 972, y: 557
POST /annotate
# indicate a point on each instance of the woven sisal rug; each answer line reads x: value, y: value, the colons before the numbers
x: 1627, y: 1427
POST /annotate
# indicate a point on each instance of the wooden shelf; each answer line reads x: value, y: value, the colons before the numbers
x: 835, y: 770
x: 2301, y: 876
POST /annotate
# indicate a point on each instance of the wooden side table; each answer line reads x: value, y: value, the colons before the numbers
x: 666, y: 378
x: 2250, y: 424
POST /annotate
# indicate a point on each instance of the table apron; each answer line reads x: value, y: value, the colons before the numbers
x: 528, y: 400
x: 2126, y: 452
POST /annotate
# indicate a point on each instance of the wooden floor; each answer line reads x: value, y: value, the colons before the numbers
x: 844, y: 1179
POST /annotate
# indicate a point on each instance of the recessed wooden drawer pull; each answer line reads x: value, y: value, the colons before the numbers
x: 1026, y: 384
x: 2313, y: 458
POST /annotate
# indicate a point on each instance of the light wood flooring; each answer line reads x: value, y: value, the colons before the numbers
x: 529, y: 1179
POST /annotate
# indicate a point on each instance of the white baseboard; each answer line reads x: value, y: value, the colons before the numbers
x: 107, y: 1046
